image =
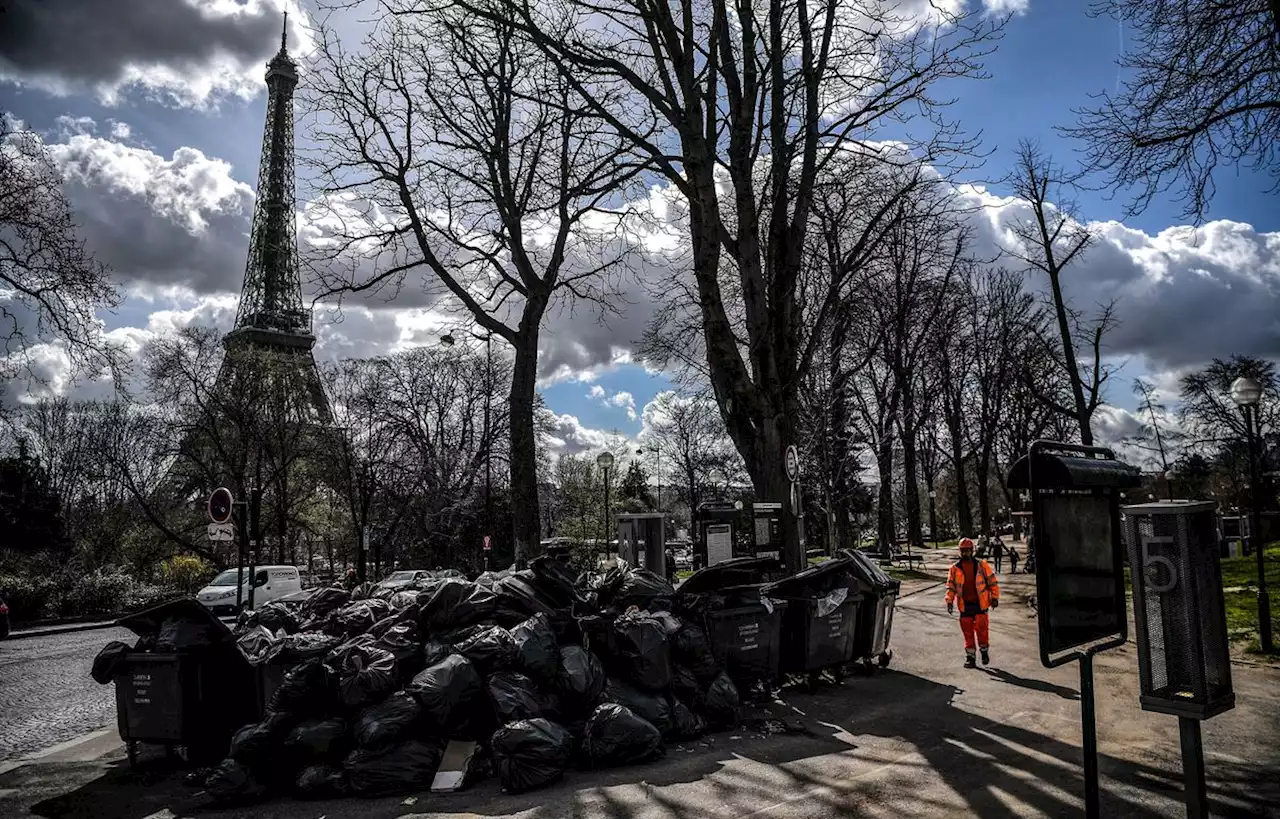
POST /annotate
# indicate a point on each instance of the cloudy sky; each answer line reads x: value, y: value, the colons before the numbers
x: 154, y: 114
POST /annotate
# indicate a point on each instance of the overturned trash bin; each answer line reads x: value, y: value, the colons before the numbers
x: 743, y: 624
x: 184, y: 685
x: 879, y: 597
x: 821, y: 620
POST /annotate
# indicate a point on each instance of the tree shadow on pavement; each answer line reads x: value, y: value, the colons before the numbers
x: 892, y: 745
x: 1034, y: 685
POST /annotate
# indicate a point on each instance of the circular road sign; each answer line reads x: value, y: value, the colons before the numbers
x: 792, y: 463
x: 220, y: 505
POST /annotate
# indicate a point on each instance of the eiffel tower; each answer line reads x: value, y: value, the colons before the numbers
x: 271, y: 319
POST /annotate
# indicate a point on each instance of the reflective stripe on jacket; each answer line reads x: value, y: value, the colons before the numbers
x: 985, y: 579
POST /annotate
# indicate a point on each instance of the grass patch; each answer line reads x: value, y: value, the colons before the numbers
x: 1239, y: 580
x: 684, y: 574
x: 908, y: 574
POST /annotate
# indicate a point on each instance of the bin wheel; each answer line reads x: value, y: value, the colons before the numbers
x: 885, y: 657
x: 868, y: 668
x: 132, y: 748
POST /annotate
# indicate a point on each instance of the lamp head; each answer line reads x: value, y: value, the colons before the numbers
x: 1246, y: 391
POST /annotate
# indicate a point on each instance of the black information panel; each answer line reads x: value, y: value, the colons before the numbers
x: 1080, y: 577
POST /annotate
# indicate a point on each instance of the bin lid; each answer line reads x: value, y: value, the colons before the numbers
x: 1173, y: 507
x: 186, y: 610
x: 1054, y: 471
x: 737, y: 571
x: 792, y: 585
x: 866, y: 569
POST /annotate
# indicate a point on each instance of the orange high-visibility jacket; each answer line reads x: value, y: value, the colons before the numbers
x: 985, y: 579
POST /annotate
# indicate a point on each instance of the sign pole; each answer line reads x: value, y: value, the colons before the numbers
x: 255, y: 509
x: 242, y: 537
x: 1089, y: 729
x: 1193, y: 768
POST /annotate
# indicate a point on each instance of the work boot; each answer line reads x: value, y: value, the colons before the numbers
x: 970, y: 661
x: 986, y: 657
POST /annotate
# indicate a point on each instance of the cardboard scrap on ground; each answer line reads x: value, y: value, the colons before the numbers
x: 454, y: 766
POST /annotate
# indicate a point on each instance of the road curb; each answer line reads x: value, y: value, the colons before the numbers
x: 52, y: 630
x: 84, y: 748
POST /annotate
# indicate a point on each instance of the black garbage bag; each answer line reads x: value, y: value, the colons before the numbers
x: 232, y: 782
x: 362, y: 591
x: 366, y: 673
x: 720, y: 704
x: 615, y: 736
x: 536, y: 648
x: 110, y: 658
x: 406, y: 599
x: 433, y: 651
x: 685, y: 684
x: 356, y: 618
x: 691, y: 648
x: 321, y: 782
x: 489, y: 578
x: 641, y: 651
x: 449, y: 604
x: 407, y: 766
x: 322, y: 602
x: 645, y: 590
x: 530, y: 754
x: 453, y: 699
x: 257, y: 645
x: 317, y: 740
x: 493, y: 649
x: 516, y: 697
x: 309, y: 689
x: 685, y: 724
x: 387, y: 722
x: 272, y: 616
x: 582, y: 679
x: 651, y: 707
x: 553, y: 582
x: 257, y: 747
x: 518, y: 599
x: 303, y: 646
x: 404, y: 643
x: 181, y: 633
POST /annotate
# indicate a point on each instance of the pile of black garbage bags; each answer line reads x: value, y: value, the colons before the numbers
x: 543, y: 671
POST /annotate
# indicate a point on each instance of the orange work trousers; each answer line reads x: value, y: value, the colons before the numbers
x: 972, y: 624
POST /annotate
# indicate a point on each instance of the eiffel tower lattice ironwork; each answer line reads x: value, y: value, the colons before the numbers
x: 271, y: 317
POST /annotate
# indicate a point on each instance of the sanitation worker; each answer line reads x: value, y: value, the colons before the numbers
x: 974, y: 583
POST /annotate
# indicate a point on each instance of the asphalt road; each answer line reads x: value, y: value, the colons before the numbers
x: 46, y: 693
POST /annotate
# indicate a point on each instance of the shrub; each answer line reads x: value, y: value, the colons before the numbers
x: 185, y: 573
x: 28, y: 596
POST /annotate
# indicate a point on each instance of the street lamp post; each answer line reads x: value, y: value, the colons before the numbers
x: 487, y: 338
x: 1246, y: 392
x: 657, y: 452
x: 933, y: 516
x: 605, y: 462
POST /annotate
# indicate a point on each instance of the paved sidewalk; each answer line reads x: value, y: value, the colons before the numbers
x: 924, y: 738
x: 61, y: 628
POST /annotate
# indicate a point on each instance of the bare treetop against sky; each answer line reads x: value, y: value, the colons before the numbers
x: 154, y: 120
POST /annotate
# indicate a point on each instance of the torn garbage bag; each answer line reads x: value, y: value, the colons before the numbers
x: 402, y: 768
x: 530, y: 754
x: 615, y: 736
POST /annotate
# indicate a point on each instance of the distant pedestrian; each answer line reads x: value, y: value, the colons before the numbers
x: 671, y: 565
x: 352, y: 581
x: 972, y: 580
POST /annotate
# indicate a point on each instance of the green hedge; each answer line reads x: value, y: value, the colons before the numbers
x: 100, y: 593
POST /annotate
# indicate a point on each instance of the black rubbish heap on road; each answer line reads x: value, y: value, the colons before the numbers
x: 360, y: 692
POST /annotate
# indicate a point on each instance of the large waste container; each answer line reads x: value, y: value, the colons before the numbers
x: 821, y: 620
x: 184, y: 685
x: 879, y: 596
x: 742, y: 623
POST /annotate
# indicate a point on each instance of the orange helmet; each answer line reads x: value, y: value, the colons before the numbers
x: 965, y: 543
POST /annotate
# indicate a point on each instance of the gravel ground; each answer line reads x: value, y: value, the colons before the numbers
x: 46, y: 693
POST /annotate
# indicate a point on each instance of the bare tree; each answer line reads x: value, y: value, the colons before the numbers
x: 1156, y: 436
x: 741, y: 111
x: 499, y: 187
x: 1048, y: 242
x: 54, y: 286
x: 688, y: 429
x: 1203, y: 89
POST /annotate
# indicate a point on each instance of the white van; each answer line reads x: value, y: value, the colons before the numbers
x: 269, y: 583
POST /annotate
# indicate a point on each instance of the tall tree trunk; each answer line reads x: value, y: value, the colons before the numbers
x: 910, y: 473
x: 886, y: 524
x: 982, y: 473
x: 964, y: 512
x: 524, y: 460
x: 769, y: 478
x: 1069, y: 360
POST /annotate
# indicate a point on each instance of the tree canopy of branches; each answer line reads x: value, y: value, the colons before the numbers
x: 53, y: 286
x: 1203, y: 90
x: 498, y: 185
x: 741, y: 110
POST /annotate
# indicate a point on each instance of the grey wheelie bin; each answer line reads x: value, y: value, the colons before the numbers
x: 742, y: 623
x: 184, y: 685
x: 879, y: 596
x: 820, y: 623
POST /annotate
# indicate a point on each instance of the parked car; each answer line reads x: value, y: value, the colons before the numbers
x: 268, y: 583
x: 4, y: 619
x: 400, y: 579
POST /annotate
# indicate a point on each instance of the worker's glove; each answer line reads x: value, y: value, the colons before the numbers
x: 995, y: 604
x: 951, y: 608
